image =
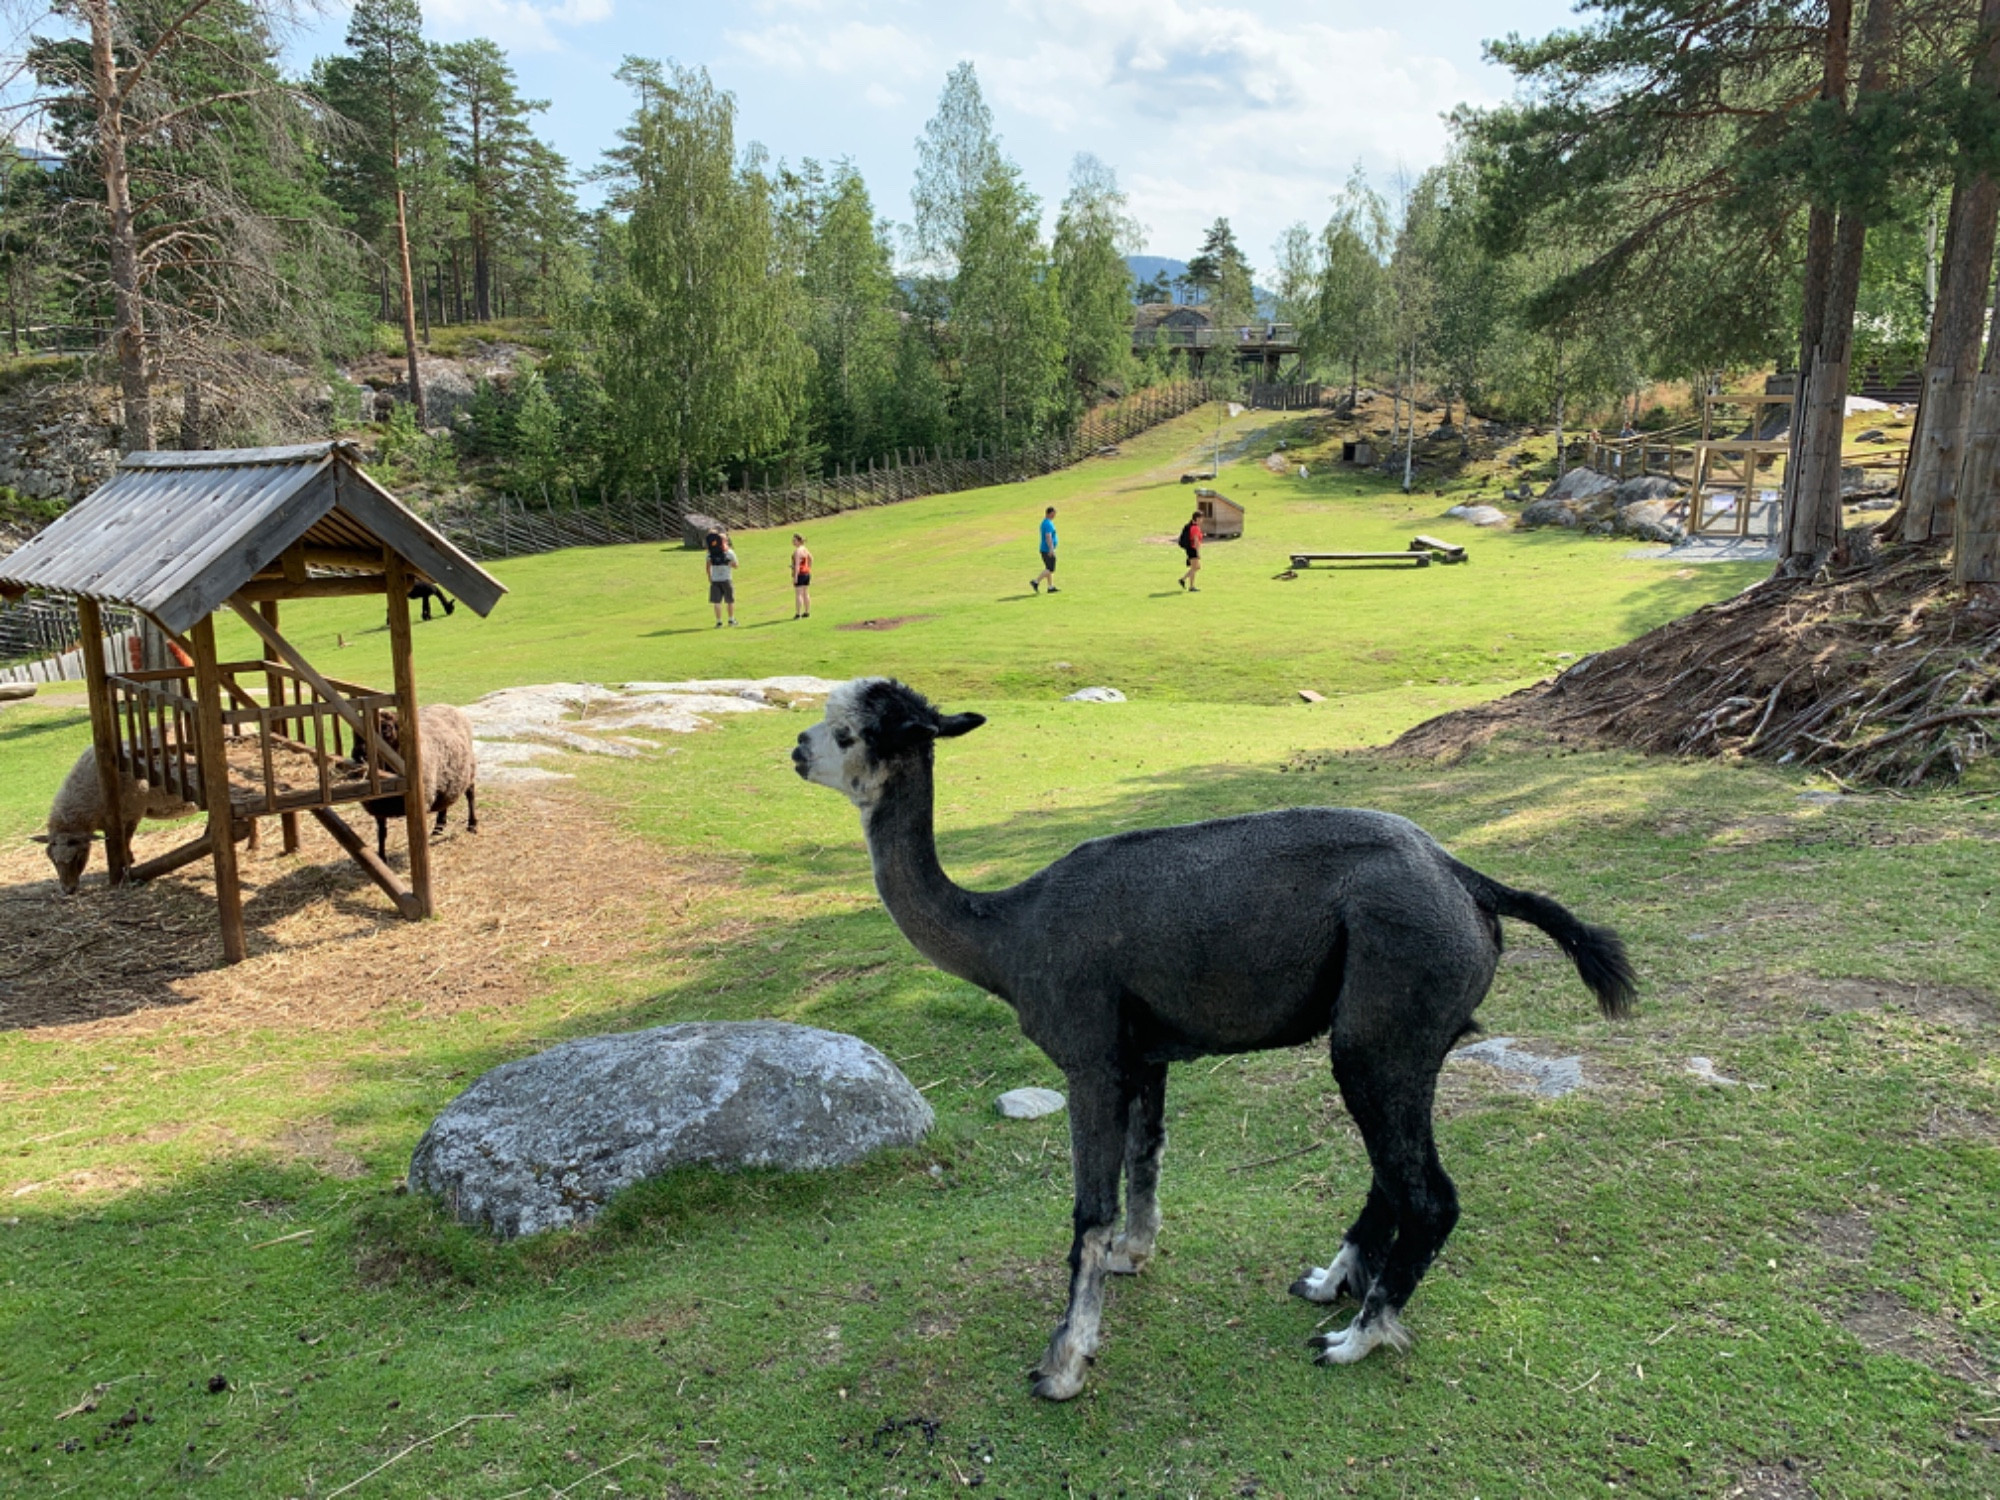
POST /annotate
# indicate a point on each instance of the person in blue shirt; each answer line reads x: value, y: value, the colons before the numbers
x: 1048, y: 573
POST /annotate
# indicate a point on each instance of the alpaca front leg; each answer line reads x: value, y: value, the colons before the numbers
x: 1145, y: 1141
x: 1097, y: 1142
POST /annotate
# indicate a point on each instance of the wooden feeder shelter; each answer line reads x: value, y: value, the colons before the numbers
x: 181, y: 536
x: 1221, y: 517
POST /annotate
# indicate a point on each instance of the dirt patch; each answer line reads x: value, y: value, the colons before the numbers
x: 547, y: 878
x: 1884, y: 1323
x: 1845, y: 1238
x: 887, y: 622
x: 1781, y: 998
x: 1877, y: 675
x: 1784, y: 1480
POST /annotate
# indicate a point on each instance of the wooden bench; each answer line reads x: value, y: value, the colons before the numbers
x: 1447, y: 552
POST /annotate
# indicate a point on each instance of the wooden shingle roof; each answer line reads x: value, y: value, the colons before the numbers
x: 175, y: 534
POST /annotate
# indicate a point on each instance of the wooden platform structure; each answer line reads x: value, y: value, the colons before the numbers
x: 179, y: 536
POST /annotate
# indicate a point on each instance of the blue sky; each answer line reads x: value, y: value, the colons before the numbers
x: 1254, y: 110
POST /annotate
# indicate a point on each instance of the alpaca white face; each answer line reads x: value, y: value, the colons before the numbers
x: 834, y: 753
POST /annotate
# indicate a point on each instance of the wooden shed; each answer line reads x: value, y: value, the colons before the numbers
x: 180, y: 536
x: 1221, y: 517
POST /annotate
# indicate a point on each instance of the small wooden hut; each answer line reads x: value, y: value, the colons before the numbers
x: 1221, y: 517
x: 180, y: 536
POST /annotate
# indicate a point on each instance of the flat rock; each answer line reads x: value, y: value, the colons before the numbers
x: 1552, y: 1077
x: 1095, y: 695
x: 546, y: 1141
x: 1479, y: 515
x: 1028, y: 1104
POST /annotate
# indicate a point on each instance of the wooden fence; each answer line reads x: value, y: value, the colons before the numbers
x: 515, y: 526
x: 1302, y: 396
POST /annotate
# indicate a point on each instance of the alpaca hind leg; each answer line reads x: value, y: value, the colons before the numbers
x: 1364, y: 1249
x: 1097, y: 1148
x: 1391, y: 1102
x: 471, y: 811
x: 1145, y: 1141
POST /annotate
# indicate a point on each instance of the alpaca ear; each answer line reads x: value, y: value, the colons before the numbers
x: 953, y: 725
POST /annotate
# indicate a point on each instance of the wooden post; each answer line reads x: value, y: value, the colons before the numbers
x: 215, y: 789
x: 104, y: 739
x: 274, y: 697
x: 416, y: 806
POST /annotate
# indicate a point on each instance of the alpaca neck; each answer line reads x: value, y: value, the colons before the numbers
x: 954, y: 928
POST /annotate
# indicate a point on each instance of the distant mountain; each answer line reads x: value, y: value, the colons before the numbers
x: 1146, y: 267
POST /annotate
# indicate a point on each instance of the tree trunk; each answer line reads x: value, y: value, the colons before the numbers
x: 1812, y: 509
x: 190, y: 414
x: 129, y: 329
x: 409, y: 309
x: 1930, y: 486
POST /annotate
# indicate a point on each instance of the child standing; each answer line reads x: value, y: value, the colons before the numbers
x: 802, y: 577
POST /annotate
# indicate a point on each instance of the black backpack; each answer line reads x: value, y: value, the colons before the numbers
x: 1186, y: 537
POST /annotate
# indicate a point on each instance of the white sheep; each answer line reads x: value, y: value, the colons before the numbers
x: 77, y: 815
x: 451, y: 771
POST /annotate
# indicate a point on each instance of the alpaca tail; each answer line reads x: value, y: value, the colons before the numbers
x: 1597, y: 952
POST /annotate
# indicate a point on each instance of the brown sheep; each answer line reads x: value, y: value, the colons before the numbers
x: 76, y: 817
x: 451, y: 771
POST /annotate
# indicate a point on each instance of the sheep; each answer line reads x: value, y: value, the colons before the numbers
x: 451, y: 771
x: 77, y: 815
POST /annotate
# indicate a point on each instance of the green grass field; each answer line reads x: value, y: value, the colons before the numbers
x: 1660, y: 1286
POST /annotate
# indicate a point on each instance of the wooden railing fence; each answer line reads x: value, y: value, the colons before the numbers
x: 517, y: 525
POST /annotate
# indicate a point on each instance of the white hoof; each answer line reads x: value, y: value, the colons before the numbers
x: 1328, y: 1283
x: 1127, y: 1258
x: 1357, y: 1340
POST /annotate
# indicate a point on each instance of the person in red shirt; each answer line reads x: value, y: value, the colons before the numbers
x: 1190, y: 540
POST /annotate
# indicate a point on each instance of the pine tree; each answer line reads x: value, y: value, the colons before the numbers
x: 486, y: 122
x: 386, y: 84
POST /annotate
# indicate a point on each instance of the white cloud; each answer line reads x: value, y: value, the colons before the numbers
x: 518, y: 25
x: 841, y: 49
x: 1212, y: 109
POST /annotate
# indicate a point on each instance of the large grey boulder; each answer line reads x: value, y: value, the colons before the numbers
x: 546, y: 1141
x: 1644, y: 487
x: 1580, y: 484
x: 1652, y: 521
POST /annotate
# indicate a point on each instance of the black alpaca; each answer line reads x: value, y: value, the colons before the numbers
x: 1346, y: 922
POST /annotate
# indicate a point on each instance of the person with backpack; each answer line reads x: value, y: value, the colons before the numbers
x: 1048, y: 573
x: 721, y: 576
x: 1190, y: 540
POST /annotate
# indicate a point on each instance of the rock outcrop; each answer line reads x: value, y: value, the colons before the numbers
x: 545, y: 1142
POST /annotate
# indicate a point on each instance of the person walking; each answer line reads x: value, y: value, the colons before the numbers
x: 721, y: 576
x: 1190, y: 540
x: 1048, y: 573
x: 802, y: 578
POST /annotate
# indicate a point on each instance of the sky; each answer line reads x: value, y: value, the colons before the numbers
x: 1240, y: 108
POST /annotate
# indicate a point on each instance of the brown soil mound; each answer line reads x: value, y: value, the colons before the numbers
x: 1877, y: 673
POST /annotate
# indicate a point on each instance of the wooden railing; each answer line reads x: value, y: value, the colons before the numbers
x: 155, y: 713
